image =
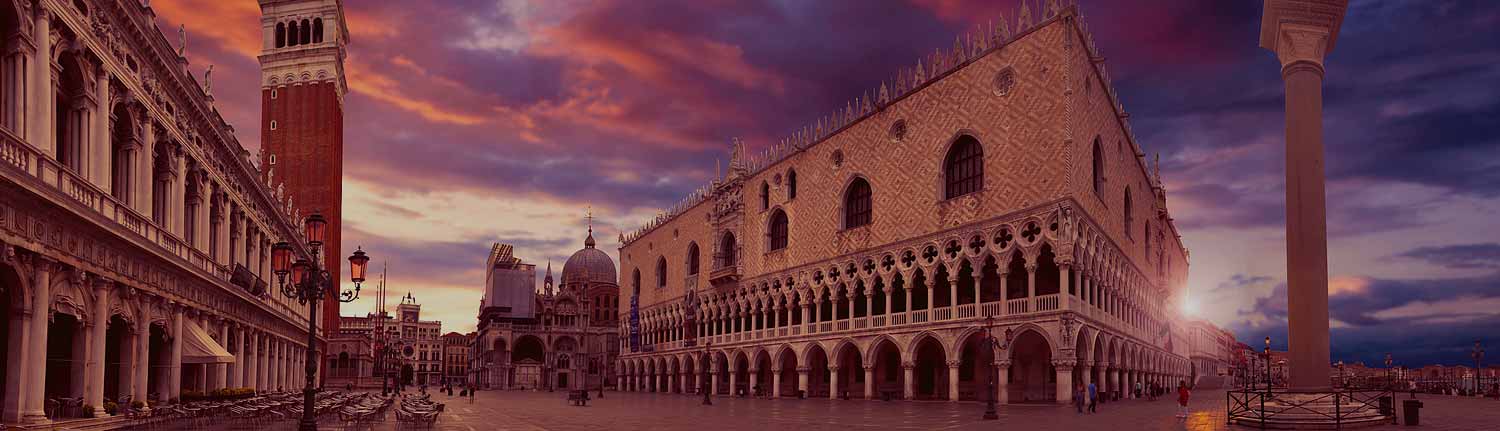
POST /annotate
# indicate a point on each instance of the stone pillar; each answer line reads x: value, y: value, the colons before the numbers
x: 1031, y: 283
x: 775, y: 383
x: 1064, y: 380
x: 80, y: 358
x: 1087, y: 375
x: 833, y: 383
x: 802, y: 379
x: 237, y: 369
x: 1004, y: 286
x: 1301, y: 33
x: 100, y: 146
x: 978, y: 276
x: 129, y: 362
x: 41, y: 302
x: 252, y: 361
x: 16, y: 369
x: 754, y: 380
x: 713, y: 381
x: 931, y: 299
x: 175, y: 381
x: 890, y: 296
x: 869, y: 382
x: 953, y: 292
x: 1114, y: 380
x: 807, y: 315
x: 1002, y: 381
x: 221, y: 371
x: 1064, y: 268
x: 96, y: 365
x: 869, y: 302
x: 953, y: 380
x: 734, y: 376
x: 177, y: 197
x: 908, y: 390
x: 40, y: 109
x: 142, y: 332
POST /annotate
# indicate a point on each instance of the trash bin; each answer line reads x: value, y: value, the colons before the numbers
x: 1412, y: 410
x: 1387, y: 406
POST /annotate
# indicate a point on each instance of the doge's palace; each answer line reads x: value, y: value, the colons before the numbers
x: 134, y: 229
x: 991, y: 188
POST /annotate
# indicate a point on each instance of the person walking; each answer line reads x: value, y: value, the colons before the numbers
x: 1182, y: 399
x: 1078, y: 397
x: 1137, y: 388
x: 1093, y: 398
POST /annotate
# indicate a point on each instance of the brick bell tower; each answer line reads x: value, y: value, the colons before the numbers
x: 302, y: 90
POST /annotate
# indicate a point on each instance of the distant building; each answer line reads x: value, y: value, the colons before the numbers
x: 562, y: 339
x: 456, y: 357
x: 1211, y: 351
x: 416, y: 348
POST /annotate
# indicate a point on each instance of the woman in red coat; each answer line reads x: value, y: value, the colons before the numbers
x: 1182, y: 399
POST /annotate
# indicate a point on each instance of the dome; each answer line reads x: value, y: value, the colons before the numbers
x: 589, y: 265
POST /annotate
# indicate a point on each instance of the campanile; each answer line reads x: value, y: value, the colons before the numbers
x: 302, y: 89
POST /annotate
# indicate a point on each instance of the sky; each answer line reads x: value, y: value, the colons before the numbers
x: 470, y: 122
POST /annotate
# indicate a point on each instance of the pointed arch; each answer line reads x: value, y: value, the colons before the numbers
x: 692, y: 258
x: 963, y: 167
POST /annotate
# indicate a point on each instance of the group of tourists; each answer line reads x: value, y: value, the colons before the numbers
x: 1087, y: 396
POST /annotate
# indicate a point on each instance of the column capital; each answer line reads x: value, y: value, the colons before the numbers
x: 1301, y: 31
x: 1002, y: 364
x: 1064, y: 364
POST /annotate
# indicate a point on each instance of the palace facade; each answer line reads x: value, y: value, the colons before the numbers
x: 134, y: 228
x: 562, y: 338
x: 995, y: 188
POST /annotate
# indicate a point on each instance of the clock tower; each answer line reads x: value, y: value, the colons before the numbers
x: 302, y: 87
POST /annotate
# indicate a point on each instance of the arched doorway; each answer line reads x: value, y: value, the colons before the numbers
x: 788, y: 361
x: 721, y: 370
x: 117, y: 359
x: 762, y: 374
x: 817, y: 372
x: 741, y: 374
x: 158, y: 363
x: 1032, y: 379
x: 11, y: 292
x: 889, y: 378
x: 527, y: 359
x: 407, y: 374
x: 65, y: 355
x: 976, y: 367
x: 931, y: 370
x: 851, y: 372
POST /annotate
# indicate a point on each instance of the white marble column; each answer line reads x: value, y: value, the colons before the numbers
x: 141, y: 331
x: 252, y: 360
x: 40, y: 109
x: 869, y: 382
x: 175, y: 382
x: 1002, y: 382
x: 16, y: 374
x: 908, y: 391
x: 100, y: 146
x: 41, y: 302
x: 221, y: 371
x: 144, y: 171
x: 802, y: 379
x: 1064, y: 380
x: 953, y: 380
x: 99, y: 324
x: 1302, y: 33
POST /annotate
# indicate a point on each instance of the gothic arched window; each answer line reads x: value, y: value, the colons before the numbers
x: 791, y: 184
x: 778, y: 230
x: 692, y: 258
x: 727, y: 249
x: 635, y: 282
x: 317, y: 30
x: 857, y: 208
x: 765, y: 195
x: 280, y: 35
x: 963, y: 168
x: 1129, y: 213
x: 1098, y: 168
x: 661, y: 272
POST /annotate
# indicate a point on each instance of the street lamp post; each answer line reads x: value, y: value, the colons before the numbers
x: 1388, y: 385
x: 995, y: 347
x: 703, y: 383
x: 1268, y: 366
x: 309, y: 284
x: 1478, y: 354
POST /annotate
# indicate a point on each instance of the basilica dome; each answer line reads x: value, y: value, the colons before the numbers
x: 589, y: 265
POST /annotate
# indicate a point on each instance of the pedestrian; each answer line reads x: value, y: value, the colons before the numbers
x: 1182, y: 399
x: 471, y: 392
x: 1093, y: 398
x: 1151, y: 392
x: 1078, y: 395
x: 1137, y: 388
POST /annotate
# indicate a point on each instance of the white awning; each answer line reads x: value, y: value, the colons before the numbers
x: 199, y: 348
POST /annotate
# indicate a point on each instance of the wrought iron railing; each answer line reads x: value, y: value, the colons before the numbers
x: 1265, y: 408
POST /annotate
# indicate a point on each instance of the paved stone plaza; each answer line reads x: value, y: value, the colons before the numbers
x: 515, y: 410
